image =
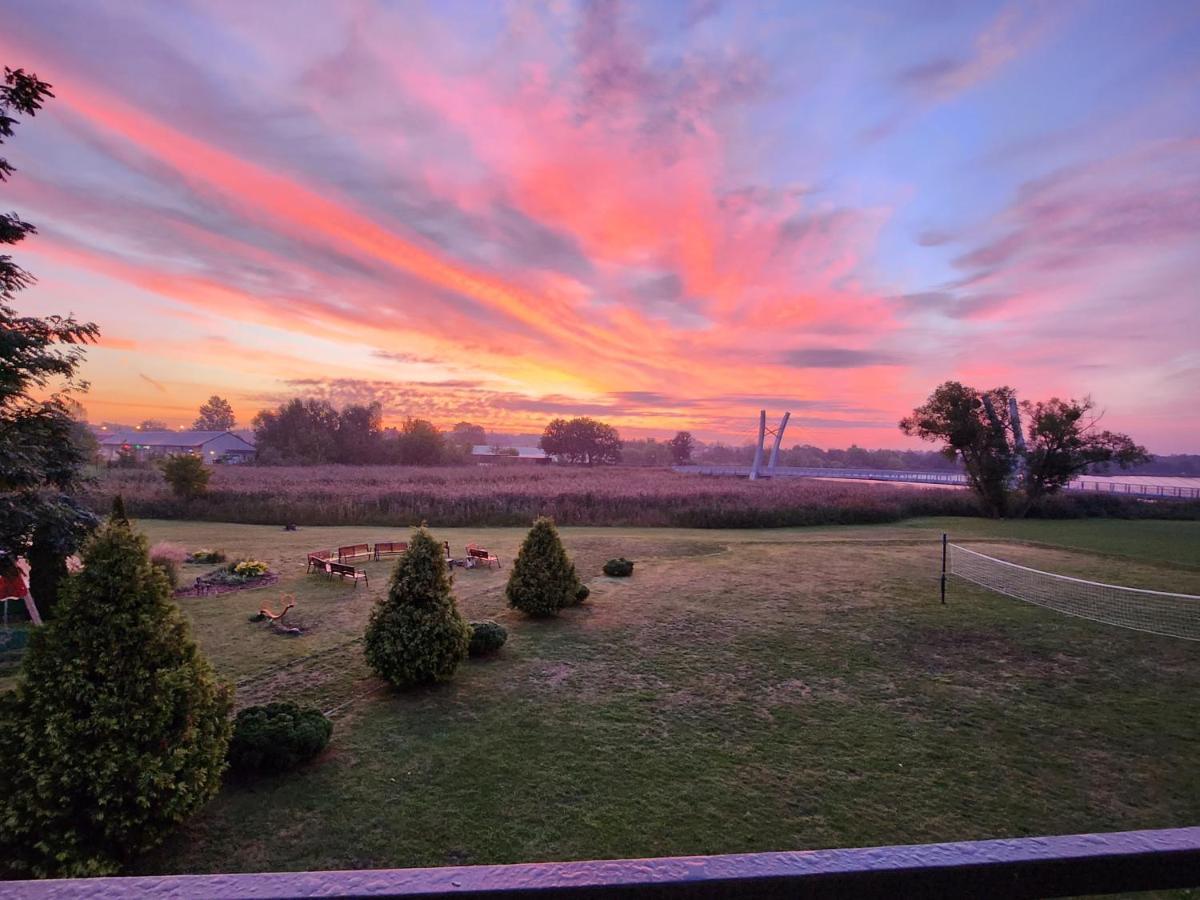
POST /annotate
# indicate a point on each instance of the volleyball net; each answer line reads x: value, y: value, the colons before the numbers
x: 1158, y: 612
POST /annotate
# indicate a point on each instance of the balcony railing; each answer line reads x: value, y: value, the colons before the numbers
x: 1021, y: 867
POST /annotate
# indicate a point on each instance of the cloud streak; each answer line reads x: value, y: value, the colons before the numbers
x: 661, y: 216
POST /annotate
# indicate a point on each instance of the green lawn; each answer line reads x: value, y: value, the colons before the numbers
x: 744, y: 691
x: 1176, y: 543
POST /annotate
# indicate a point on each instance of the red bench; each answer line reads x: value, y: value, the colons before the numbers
x: 389, y: 548
x: 354, y: 551
x: 477, y: 556
x: 344, y: 571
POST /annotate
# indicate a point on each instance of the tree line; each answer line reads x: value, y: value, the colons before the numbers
x: 312, y: 432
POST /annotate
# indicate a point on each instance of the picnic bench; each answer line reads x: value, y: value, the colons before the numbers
x: 389, y: 548
x: 344, y: 571
x: 354, y: 551
x: 477, y: 556
x: 318, y: 561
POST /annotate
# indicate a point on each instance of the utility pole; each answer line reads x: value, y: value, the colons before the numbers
x: 778, y: 440
x: 758, y: 447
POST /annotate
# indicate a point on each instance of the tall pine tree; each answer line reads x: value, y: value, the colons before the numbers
x: 117, y: 729
x: 416, y: 634
x: 543, y: 579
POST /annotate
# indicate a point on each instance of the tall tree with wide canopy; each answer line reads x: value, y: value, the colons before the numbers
x: 41, y: 458
x: 582, y: 440
x: 1012, y: 465
x: 215, y: 415
x: 301, y: 432
x: 972, y: 425
x: 1062, y: 441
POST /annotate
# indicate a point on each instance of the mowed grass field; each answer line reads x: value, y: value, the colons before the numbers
x: 743, y: 691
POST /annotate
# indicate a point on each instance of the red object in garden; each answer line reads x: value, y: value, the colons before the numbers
x: 13, y: 587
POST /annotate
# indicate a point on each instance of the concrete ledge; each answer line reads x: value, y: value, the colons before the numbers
x: 1019, y: 867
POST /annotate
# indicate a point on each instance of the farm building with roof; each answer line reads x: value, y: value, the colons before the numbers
x: 211, y: 446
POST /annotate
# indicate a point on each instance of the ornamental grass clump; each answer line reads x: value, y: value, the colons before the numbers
x: 543, y: 578
x: 415, y: 634
x: 117, y: 730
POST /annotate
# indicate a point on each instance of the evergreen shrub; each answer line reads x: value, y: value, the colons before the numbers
x: 543, y: 579
x: 277, y: 737
x: 117, y: 729
x: 487, y: 637
x: 619, y: 568
x: 416, y: 634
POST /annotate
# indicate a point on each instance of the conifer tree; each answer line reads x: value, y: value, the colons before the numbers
x: 416, y: 634
x: 117, y: 730
x: 543, y: 579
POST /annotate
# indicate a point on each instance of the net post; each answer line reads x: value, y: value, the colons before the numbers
x: 944, y: 568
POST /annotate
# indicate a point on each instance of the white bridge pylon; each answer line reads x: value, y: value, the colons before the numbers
x: 756, y: 467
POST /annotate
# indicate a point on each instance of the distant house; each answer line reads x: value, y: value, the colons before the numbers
x: 486, y: 454
x: 211, y: 446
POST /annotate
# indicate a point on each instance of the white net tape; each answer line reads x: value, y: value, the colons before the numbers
x: 1174, y: 615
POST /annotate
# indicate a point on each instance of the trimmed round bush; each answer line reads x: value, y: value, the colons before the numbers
x: 582, y: 593
x: 117, y: 730
x: 487, y: 637
x: 618, y: 568
x: 543, y: 578
x: 416, y: 634
x: 277, y: 737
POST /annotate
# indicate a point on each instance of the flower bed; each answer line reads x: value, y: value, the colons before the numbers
x: 237, y: 576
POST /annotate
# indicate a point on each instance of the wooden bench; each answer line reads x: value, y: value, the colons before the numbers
x: 389, y: 548
x: 345, y: 571
x: 477, y: 556
x: 354, y: 551
x: 319, y: 561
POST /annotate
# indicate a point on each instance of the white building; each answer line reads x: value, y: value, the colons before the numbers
x: 211, y: 446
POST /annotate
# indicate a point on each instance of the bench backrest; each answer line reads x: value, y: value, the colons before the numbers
x: 322, y: 555
x: 342, y: 569
x: 391, y: 547
x: 478, y: 553
x: 354, y: 550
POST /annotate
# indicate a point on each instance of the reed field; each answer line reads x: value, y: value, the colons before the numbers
x: 511, y: 495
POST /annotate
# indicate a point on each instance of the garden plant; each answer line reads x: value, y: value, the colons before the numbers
x: 117, y: 730
x: 416, y: 634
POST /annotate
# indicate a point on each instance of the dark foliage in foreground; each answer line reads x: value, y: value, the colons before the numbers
x: 118, y: 729
x: 277, y: 737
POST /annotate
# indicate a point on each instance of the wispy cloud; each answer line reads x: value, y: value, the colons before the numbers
x: 658, y: 214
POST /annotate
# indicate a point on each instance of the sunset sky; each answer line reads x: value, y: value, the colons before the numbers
x: 665, y: 215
